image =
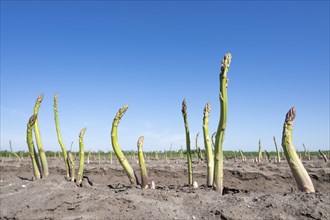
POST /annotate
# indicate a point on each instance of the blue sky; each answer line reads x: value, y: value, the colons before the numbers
x: 101, y: 55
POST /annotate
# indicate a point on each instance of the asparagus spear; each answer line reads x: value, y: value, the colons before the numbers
x: 218, y: 155
x: 189, y: 159
x: 42, y: 154
x: 81, y: 157
x: 208, y: 145
x: 32, y: 151
x: 115, y: 145
x: 59, y: 138
x: 143, y: 168
x: 300, y: 174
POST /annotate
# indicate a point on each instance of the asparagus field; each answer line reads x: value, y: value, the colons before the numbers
x: 265, y: 190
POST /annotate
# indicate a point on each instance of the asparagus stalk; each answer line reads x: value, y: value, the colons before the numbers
x: 268, y: 156
x: 59, y: 138
x: 305, y: 151
x: 115, y: 145
x: 323, y: 156
x: 300, y: 174
x: 218, y: 155
x: 81, y: 157
x: 208, y: 145
x: 189, y: 159
x: 15, y: 154
x: 42, y: 154
x: 71, y: 164
x: 198, y: 150
x: 32, y: 152
x: 259, y: 152
x: 277, y: 152
x: 242, y: 155
x: 143, y: 168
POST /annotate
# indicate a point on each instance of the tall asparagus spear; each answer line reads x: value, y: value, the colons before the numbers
x: 59, y: 138
x: 208, y: 145
x: 115, y: 145
x: 189, y: 159
x: 143, y: 168
x: 300, y: 174
x: 29, y: 139
x: 42, y: 154
x: 218, y: 154
x: 81, y: 157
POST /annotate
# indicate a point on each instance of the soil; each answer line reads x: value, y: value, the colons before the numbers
x: 263, y: 190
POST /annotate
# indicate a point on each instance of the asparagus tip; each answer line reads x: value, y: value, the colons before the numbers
x: 225, y: 63
x: 32, y: 120
x: 82, y: 132
x: 290, y: 115
x: 184, y: 107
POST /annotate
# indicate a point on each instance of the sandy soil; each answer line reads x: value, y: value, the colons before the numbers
x: 252, y: 191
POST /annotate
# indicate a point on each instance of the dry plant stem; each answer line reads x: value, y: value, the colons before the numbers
x: 300, y: 174
x: 143, y: 168
x: 30, y: 144
x: 218, y: 154
x: 15, y: 154
x: 323, y: 156
x: 277, y: 152
x: 189, y: 158
x: 115, y: 145
x: 72, y: 168
x: 208, y: 145
x: 81, y: 157
x: 59, y: 138
x: 42, y: 154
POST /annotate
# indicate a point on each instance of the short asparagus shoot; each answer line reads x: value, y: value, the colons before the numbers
x: 278, y: 160
x: 300, y: 174
x: 143, y: 168
x: 72, y: 168
x: 81, y: 157
x: 15, y: 154
x: 259, y: 152
x: 32, y: 151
